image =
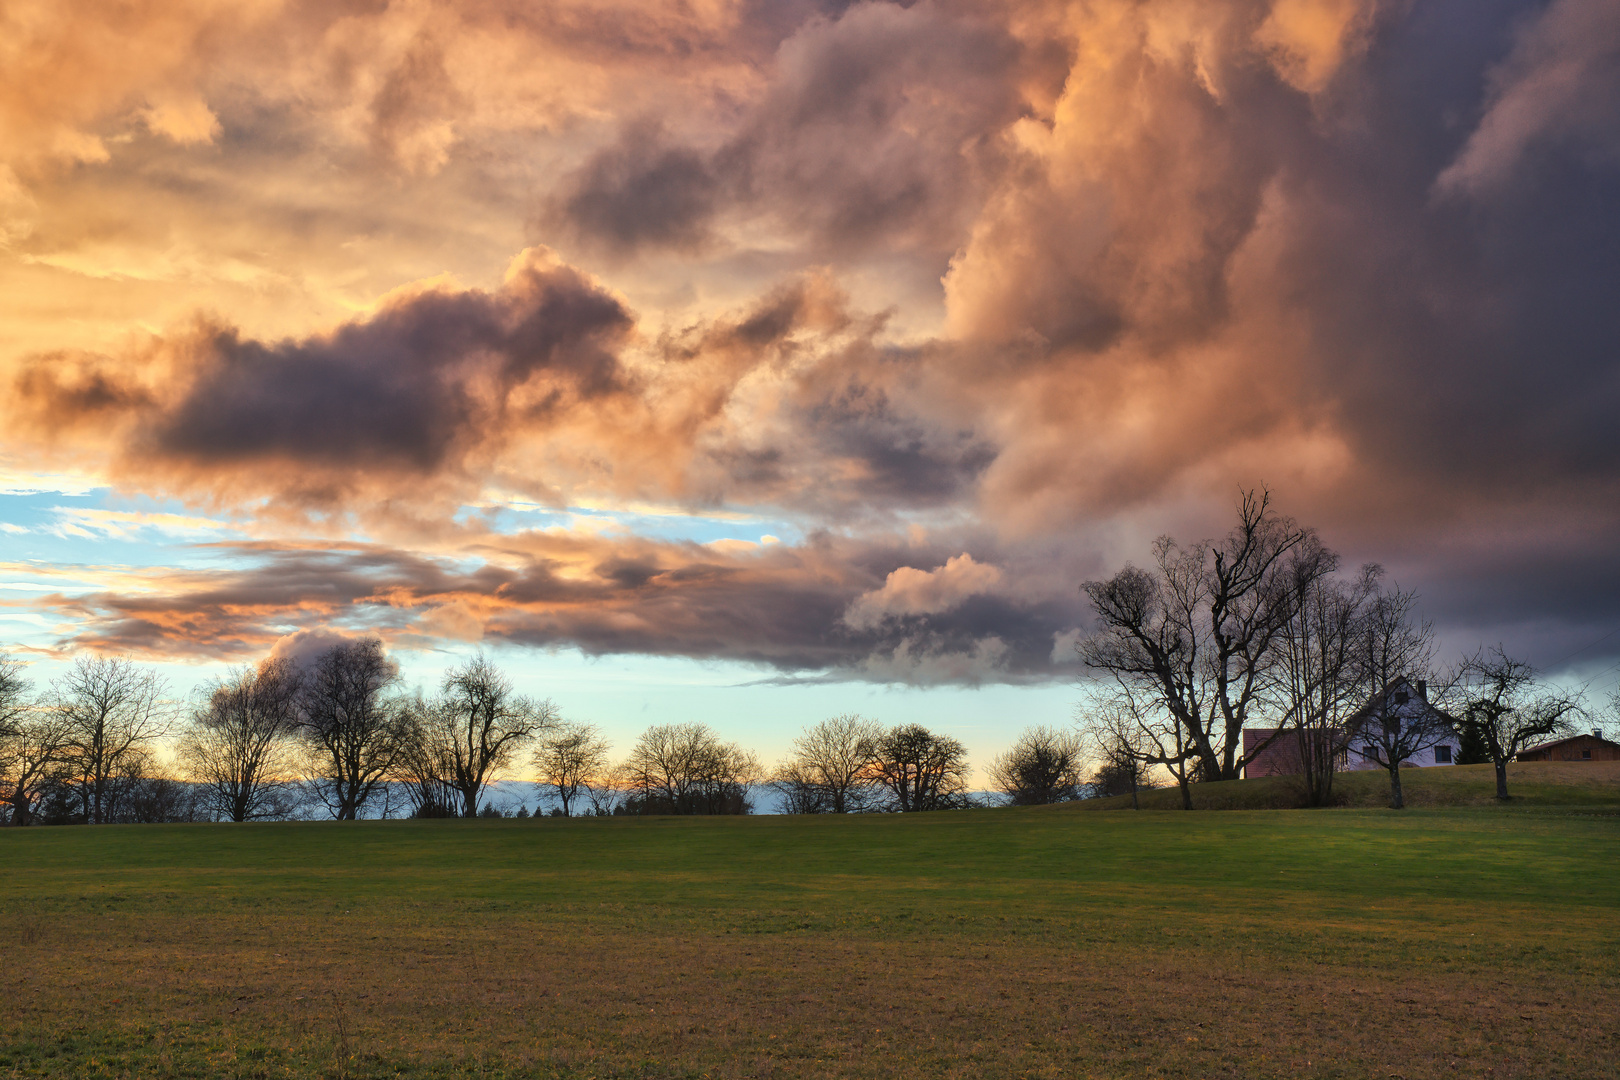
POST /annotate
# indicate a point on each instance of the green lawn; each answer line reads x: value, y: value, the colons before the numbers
x: 1340, y: 943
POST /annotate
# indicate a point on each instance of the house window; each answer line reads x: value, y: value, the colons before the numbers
x: 1402, y: 697
x: 1586, y: 755
x: 1442, y: 755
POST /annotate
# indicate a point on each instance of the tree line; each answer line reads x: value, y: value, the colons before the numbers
x: 338, y: 737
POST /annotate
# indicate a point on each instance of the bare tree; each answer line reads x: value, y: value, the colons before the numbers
x: 920, y: 770
x: 1502, y: 705
x: 1196, y: 636
x: 143, y: 795
x: 1396, y: 656
x: 570, y: 759
x: 686, y: 769
x: 831, y: 770
x: 1157, y: 737
x: 607, y: 794
x: 1120, y: 744
x: 1320, y: 675
x: 477, y: 724
x: 33, y: 758
x: 112, y: 711
x: 15, y: 702
x: 423, y: 766
x: 32, y: 745
x: 353, y: 732
x: 238, y: 747
x: 1043, y: 766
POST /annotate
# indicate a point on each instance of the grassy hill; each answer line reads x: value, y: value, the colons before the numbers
x: 1029, y: 943
x: 1594, y: 784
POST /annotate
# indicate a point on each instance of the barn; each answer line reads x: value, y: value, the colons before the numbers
x: 1583, y: 747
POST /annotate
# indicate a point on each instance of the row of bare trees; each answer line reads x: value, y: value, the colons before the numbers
x: 1260, y: 630
x: 89, y: 748
x: 846, y: 764
x: 262, y: 742
x: 849, y: 764
x: 335, y: 736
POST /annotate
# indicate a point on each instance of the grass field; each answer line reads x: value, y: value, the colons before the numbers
x: 1465, y: 941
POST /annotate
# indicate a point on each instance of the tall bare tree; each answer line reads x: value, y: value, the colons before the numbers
x: 1195, y: 637
x: 1321, y: 677
x: 238, y: 746
x: 920, y: 770
x: 32, y: 744
x: 353, y: 732
x: 1503, y: 706
x: 1396, y: 656
x: 831, y: 769
x: 1043, y: 766
x: 477, y: 724
x: 113, y: 711
x: 571, y: 758
x: 686, y: 769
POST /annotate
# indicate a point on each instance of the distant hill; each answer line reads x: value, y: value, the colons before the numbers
x: 1532, y: 783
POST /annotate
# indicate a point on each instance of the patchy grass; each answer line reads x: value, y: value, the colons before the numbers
x: 1036, y: 943
x: 1591, y: 784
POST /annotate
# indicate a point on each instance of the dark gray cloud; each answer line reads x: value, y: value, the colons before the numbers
x: 431, y: 378
x: 640, y: 193
x: 878, y: 131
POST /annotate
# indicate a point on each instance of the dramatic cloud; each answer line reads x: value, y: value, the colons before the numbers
x: 435, y: 379
x: 1025, y: 283
x: 877, y: 130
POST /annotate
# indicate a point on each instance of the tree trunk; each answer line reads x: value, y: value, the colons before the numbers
x: 1135, y: 805
x: 1397, y: 801
x: 1186, y: 791
x: 1501, y: 779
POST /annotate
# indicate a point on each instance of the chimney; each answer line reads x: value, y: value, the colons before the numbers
x: 1423, y: 689
x: 1597, y: 733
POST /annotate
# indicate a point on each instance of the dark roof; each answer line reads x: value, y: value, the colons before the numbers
x: 1362, y: 714
x: 1573, y: 738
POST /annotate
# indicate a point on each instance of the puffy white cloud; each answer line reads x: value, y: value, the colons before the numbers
x: 909, y: 591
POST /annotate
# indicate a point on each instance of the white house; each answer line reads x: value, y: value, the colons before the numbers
x: 1435, y: 743
x: 1407, y: 704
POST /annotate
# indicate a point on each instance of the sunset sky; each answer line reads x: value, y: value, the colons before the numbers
x: 754, y: 361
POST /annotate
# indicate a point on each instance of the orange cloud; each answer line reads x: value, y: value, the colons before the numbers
x: 776, y: 606
x: 1046, y: 276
